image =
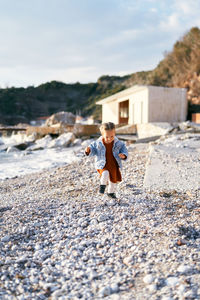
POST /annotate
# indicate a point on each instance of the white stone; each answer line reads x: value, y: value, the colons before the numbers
x: 22, y: 259
x: 21, y: 297
x: 5, y: 239
x: 183, y: 269
x: 56, y: 294
x: 172, y: 281
x: 38, y: 247
x: 105, y: 291
x: 128, y: 260
x: 20, y: 289
x: 189, y: 295
x: 115, y: 287
x: 148, y: 279
x: 111, y: 203
x: 152, y: 287
x: 92, y: 275
x: 94, y: 221
x: 115, y: 297
x: 103, y: 218
x: 181, y: 289
x: 14, y: 247
x: 82, y: 222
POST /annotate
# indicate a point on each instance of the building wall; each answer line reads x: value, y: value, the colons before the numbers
x: 138, y: 107
x: 149, y: 104
x: 167, y: 104
x: 110, y: 112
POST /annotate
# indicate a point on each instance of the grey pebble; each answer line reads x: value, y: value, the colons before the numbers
x: 61, y: 240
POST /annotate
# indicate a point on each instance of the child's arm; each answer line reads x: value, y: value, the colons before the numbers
x: 91, y: 149
x: 123, y: 152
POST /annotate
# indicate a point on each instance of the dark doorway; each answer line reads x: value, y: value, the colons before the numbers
x: 123, y: 112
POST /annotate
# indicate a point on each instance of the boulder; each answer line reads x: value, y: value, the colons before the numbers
x: 23, y: 146
x: 64, y: 140
x: 12, y: 149
x: 77, y: 142
x: 189, y: 127
x: 40, y: 131
x: 41, y: 143
x: 85, y: 130
x: 1, y: 141
x: 3, y: 148
x: 61, y: 118
x: 31, y: 138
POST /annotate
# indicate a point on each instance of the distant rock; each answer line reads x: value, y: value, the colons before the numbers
x: 41, y: 143
x: 189, y: 127
x: 12, y: 149
x: 31, y: 138
x: 3, y: 148
x: 81, y: 130
x: 64, y: 140
x: 61, y: 118
x: 23, y: 146
x: 1, y: 142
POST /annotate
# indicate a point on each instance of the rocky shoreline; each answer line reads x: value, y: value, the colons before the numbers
x: 61, y: 240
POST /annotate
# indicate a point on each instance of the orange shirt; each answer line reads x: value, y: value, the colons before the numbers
x: 111, y: 164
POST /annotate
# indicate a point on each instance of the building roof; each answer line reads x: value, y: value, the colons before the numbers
x: 129, y: 91
x: 123, y: 93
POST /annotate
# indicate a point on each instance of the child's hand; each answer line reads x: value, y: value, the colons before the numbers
x: 87, y: 150
x: 122, y: 156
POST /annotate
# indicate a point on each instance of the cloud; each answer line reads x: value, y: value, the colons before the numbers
x: 153, y: 10
x: 177, y: 19
x: 186, y: 7
x: 14, y: 76
x: 170, y: 23
x: 120, y: 37
x: 82, y: 40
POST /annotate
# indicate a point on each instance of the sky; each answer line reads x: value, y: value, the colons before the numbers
x: 81, y: 40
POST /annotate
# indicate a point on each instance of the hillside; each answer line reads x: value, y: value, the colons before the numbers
x: 26, y: 104
x: 179, y: 68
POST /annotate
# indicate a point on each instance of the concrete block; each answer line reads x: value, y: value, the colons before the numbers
x: 128, y: 129
x: 153, y: 129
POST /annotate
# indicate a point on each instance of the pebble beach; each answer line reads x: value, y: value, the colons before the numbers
x: 60, y: 239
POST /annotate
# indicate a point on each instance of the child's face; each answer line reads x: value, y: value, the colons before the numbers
x: 108, y: 135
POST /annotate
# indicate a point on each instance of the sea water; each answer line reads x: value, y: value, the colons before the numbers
x: 19, y: 163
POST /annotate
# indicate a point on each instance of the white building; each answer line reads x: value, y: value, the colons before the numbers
x: 144, y: 104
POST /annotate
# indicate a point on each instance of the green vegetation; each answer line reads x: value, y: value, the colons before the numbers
x: 179, y: 68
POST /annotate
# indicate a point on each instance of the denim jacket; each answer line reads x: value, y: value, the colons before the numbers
x: 98, y: 149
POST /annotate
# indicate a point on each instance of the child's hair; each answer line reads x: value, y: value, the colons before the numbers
x: 107, y: 126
